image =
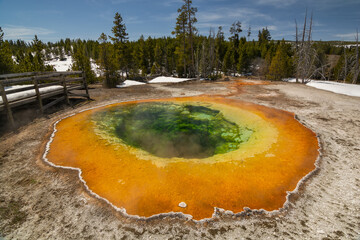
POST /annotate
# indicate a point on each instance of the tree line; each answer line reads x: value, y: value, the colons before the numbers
x: 188, y: 54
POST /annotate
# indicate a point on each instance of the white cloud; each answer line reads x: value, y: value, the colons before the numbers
x: 346, y: 36
x: 133, y: 20
x: 241, y: 14
x: 107, y: 16
x: 225, y: 16
x: 119, y: 1
x: 170, y: 17
x: 25, y: 33
x: 246, y: 14
x: 168, y: 3
x: 272, y: 28
x: 209, y: 17
x: 276, y: 3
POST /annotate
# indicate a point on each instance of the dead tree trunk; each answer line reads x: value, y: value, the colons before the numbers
x: 296, y: 47
x: 304, y: 30
x: 211, y: 52
x: 184, y: 47
x: 310, y: 28
x: 346, y: 64
x: 356, y: 68
x: 306, y: 55
x: 191, y: 40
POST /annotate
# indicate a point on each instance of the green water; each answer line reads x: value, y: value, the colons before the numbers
x: 172, y: 130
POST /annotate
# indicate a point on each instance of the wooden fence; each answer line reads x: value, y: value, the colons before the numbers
x: 34, y: 87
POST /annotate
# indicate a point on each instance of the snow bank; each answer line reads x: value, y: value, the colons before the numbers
x: 292, y: 80
x: 17, y: 87
x: 129, y: 83
x: 168, y: 80
x: 95, y: 68
x: 28, y: 93
x: 342, y: 88
x: 61, y: 66
x: 347, y: 45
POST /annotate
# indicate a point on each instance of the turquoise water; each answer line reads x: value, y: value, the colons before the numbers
x: 167, y: 129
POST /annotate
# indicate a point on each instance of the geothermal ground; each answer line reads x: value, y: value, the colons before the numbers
x: 41, y: 202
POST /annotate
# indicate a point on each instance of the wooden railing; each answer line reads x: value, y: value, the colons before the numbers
x: 57, y: 85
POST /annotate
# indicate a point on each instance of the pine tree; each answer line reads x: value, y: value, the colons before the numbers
x: 181, y: 34
x: 67, y: 46
x: 139, y: 59
x: 31, y: 58
x: 249, y: 33
x: 47, y: 53
x: 38, y: 60
x: 244, y: 60
x: 191, y: 21
x: 204, y: 58
x: 155, y: 69
x: 120, y: 42
x: 158, y: 57
x: 119, y: 30
x: 82, y: 62
x: 6, y: 62
x: 235, y: 31
x: 211, y: 54
x: 281, y: 64
x: 106, y: 62
x: 229, y: 61
x: 62, y: 54
x: 185, y: 32
x: 264, y: 36
x: 219, y: 49
x: 170, y: 57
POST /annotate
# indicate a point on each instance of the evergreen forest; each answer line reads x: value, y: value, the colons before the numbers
x: 187, y: 54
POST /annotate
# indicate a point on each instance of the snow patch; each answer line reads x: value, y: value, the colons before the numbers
x: 129, y: 83
x: 168, y: 80
x: 95, y: 68
x: 342, y: 88
x: 347, y: 45
x: 28, y: 93
x: 16, y: 87
x: 61, y: 66
x: 293, y: 80
x: 336, y: 87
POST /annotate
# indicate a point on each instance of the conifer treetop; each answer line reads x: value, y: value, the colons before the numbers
x: 119, y: 30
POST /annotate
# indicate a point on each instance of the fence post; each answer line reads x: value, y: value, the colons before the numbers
x: 38, y: 93
x: 7, y: 105
x: 65, y: 89
x: 85, y: 85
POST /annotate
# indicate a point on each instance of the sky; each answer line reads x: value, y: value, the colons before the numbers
x: 87, y: 19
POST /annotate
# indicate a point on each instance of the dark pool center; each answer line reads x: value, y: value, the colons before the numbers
x: 167, y: 129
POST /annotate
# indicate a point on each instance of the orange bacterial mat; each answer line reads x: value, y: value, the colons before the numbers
x: 278, y: 154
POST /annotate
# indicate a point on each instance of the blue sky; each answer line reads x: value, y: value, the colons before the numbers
x: 87, y: 19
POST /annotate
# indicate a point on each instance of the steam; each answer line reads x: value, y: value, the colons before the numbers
x: 171, y: 130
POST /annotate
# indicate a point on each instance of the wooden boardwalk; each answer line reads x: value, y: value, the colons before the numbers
x: 35, y: 87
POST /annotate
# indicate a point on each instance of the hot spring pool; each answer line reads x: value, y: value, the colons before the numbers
x: 147, y: 157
